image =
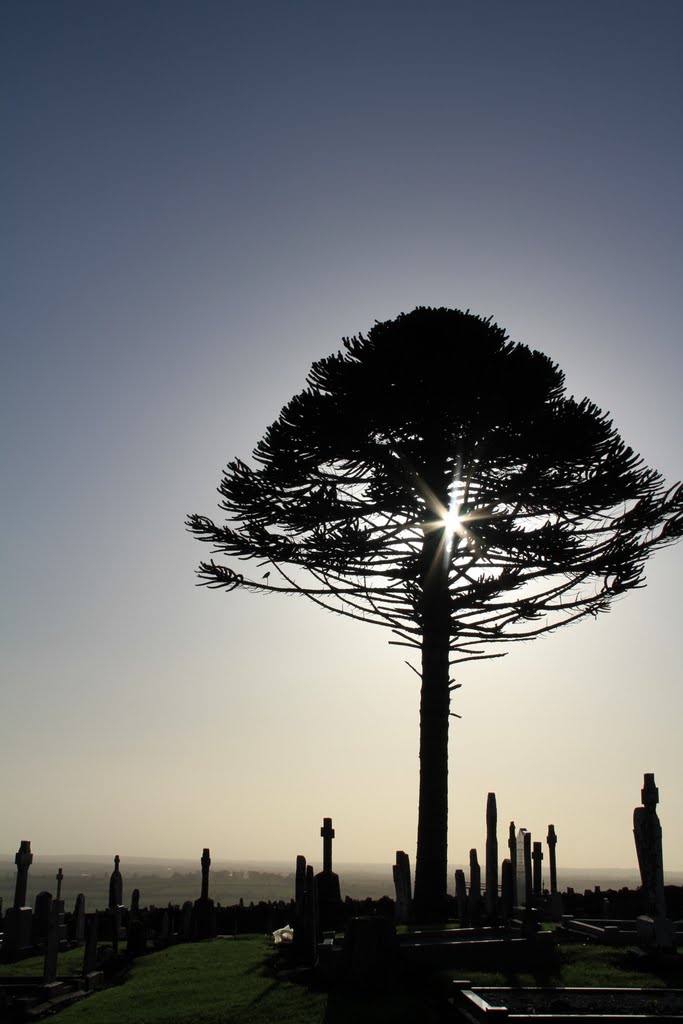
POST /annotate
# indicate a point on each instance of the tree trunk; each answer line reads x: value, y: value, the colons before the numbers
x: 431, y: 867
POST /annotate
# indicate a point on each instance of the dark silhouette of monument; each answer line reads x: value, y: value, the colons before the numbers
x: 654, y: 928
x: 328, y: 890
x: 435, y: 478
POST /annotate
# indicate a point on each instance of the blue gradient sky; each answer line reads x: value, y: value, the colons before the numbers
x: 198, y: 200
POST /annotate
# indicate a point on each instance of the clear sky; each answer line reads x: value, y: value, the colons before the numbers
x: 200, y: 199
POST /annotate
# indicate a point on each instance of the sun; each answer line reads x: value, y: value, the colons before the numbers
x: 453, y: 523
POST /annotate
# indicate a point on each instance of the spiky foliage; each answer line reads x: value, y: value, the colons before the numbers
x: 434, y: 478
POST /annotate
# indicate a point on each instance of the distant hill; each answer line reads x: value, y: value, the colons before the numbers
x: 163, y: 880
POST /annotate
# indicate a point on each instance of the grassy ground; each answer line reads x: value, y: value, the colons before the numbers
x: 230, y: 982
x: 582, y: 966
x: 239, y: 982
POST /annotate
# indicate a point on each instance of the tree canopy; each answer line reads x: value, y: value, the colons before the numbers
x: 435, y: 478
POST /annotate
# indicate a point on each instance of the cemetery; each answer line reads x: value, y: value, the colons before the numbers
x: 502, y: 922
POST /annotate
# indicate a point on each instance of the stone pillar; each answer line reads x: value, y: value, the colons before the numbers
x: 507, y: 875
x: 461, y: 896
x: 475, y: 876
x: 512, y: 847
x: 551, y: 840
x: 528, y: 883
x: 403, y: 887
x: 491, y: 856
x: 537, y: 859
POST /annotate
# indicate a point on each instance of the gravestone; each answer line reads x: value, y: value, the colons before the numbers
x: 329, y: 894
x: 528, y: 877
x: 186, y: 921
x: 114, y: 914
x: 524, y: 868
x: 507, y: 875
x: 369, y: 950
x: 512, y: 847
x: 23, y: 861
x: 41, y: 917
x: 77, y: 930
x: 300, y: 883
x: 475, y: 876
x: 51, y: 945
x: 655, y: 931
x: 461, y: 895
x: 115, y: 885
x: 90, y: 949
x: 537, y: 862
x: 58, y: 904
x: 165, y: 929
x: 491, y: 856
x: 403, y: 886
x: 474, y: 905
x: 17, y: 923
x: 204, y: 923
x: 311, y: 923
x: 135, y: 903
x: 551, y: 840
x: 136, y: 936
x: 556, y: 907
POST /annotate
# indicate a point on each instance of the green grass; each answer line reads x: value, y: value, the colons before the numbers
x: 231, y: 982
x: 218, y: 982
x: 581, y: 966
x: 237, y: 982
x: 67, y: 963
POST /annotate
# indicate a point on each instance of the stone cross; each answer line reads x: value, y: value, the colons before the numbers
x: 206, y: 864
x: 512, y: 847
x: 115, y: 885
x: 537, y: 858
x: 327, y: 833
x: 59, y: 878
x: 23, y: 861
x: 551, y: 840
x: 491, y: 855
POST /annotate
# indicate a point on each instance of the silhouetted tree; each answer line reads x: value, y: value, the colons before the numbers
x: 434, y: 478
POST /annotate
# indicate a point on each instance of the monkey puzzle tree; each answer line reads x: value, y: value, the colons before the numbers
x: 434, y: 478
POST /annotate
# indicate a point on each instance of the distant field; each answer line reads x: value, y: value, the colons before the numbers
x: 164, y: 881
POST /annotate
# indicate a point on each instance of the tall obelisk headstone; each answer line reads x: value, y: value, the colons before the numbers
x: 512, y: 847
x: 491, y: 856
